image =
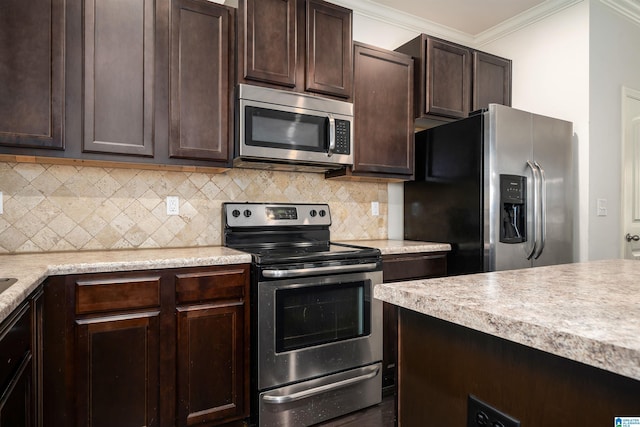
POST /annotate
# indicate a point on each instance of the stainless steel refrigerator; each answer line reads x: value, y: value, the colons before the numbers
x: 498, y: 187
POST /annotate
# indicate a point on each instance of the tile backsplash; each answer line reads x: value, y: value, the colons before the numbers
x: 67, y: 208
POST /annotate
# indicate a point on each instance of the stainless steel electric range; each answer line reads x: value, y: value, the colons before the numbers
x: 316, y: 330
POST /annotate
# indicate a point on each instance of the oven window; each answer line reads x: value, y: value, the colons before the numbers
x: 315, y: 315
x: 282, y: 129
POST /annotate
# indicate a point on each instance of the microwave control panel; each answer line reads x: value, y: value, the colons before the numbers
x: 343, y: 137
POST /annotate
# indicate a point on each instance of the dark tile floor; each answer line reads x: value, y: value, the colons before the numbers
x: 382, y: 415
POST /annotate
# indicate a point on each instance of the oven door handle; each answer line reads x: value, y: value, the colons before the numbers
x: 283, y: 274
x: 287, y: 398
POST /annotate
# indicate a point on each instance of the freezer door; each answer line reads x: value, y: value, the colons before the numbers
x: 445, y: 203
x: 509, y: 149
x: 552, y: 152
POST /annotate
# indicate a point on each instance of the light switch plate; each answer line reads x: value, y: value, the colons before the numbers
x: 601, y: 207
x: 1, y: 204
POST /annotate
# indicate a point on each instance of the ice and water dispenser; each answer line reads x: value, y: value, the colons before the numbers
x: 513, y: 209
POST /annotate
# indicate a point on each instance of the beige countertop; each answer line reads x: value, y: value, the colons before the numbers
x: 391, y: 247
x: 32, y: 269
x: 587, y: 312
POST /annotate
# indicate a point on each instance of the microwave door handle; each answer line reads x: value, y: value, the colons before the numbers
x: 332, y: 135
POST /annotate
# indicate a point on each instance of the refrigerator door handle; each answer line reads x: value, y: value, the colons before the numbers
x: 542, y: 218
x: 536, y: 201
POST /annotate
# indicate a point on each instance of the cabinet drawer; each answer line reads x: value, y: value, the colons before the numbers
x: 112, y: 294
x: 413, y: 266
x: 15, y: 343
x: 226, y: 283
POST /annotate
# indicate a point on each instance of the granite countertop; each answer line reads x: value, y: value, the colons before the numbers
x: 32, y: 269
x: 391, y: 247
x: 587, y: 312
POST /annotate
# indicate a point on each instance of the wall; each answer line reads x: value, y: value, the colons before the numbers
x: 63, y: 208
x: 614, y: 63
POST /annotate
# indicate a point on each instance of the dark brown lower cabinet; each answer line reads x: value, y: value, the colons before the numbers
x: 212, y: 370
x: 397, y: 268
x: 147, y: 348
x: 441, y: 364
x: 19, y: 374
x: 118, y: 380
x: 16, y: 406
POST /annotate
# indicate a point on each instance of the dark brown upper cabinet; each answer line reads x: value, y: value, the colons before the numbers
x: 201, y: 55
x: 32, y: 73
x: 442, y: 75
x: 119, y: 77
x: 452, y: 80
x: 491, y: 80
x: 329, y: 61
x: 383, y: 116
x: 146, y: 82
x: 300, y: 45
x: 267, y: 41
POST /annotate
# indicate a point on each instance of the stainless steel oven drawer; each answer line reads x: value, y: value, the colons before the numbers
x: 321, y: 399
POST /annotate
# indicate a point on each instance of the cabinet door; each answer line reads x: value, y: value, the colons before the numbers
x: 383, y: 101
x: 119, y: 76
x: 117, y: 361
x: 211, y: 381
x: 16, y: 402
x: 212, y: 345
x: 267, y: 41
x: 491, y: 80
x: 329, y: 60
x: 396, y: 268
x: 31, y: 75
x: 448, y: 74
x: 201, y: 52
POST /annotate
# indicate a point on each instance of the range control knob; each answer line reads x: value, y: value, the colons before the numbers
x: 247, y: 213
x: 235, y: 213
x: 313, y: 213
x: 323, y: 212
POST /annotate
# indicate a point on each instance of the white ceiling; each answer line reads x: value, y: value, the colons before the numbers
x: 467, y: 16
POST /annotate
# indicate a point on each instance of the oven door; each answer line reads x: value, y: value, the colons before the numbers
x: 314, y: 326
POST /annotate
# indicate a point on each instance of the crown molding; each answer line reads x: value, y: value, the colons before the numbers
x: 526, y: 18
x: 628, y: 8
x: 418, y: 25
x: 397, y: 18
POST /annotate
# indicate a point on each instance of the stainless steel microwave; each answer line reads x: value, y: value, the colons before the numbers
x: 277, y: 129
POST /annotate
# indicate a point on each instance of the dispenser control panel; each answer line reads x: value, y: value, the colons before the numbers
x: 513, y: 209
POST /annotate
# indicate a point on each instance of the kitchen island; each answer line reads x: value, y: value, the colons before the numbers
x: 557, y: 345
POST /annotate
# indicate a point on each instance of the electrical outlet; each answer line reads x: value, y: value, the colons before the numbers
x: 173, y: 205
x: 481, y: 414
